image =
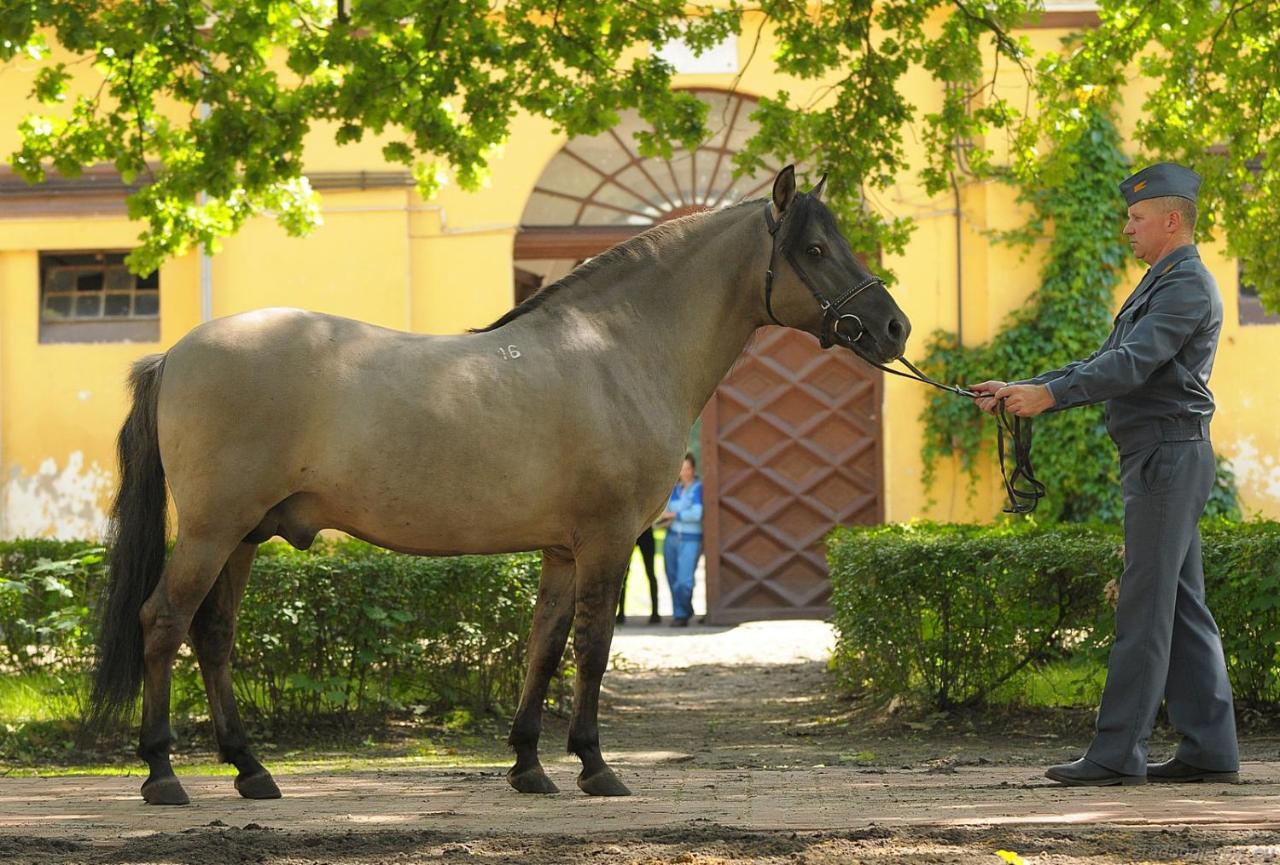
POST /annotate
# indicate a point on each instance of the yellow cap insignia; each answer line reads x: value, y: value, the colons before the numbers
x: 1139, y: 186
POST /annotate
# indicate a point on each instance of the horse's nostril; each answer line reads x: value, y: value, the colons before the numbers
x: 896, y: 330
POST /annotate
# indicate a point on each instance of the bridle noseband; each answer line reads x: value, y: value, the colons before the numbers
x: 832, y: 317
x: 1023, y: 489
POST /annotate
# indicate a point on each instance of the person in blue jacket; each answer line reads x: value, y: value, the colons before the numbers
x: 683, y: 544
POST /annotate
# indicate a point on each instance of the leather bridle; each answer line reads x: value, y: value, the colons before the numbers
x: 832, y: 317
x: 1022, y: 499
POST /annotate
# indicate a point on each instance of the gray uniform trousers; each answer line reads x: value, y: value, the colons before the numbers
x: 1167, y: 644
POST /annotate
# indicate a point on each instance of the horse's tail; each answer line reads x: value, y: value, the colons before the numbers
x: 136, y: 540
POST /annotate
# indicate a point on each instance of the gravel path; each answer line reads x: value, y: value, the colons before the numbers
x: 737, y: 750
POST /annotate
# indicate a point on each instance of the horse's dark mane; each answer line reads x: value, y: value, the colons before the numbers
x: 629, y: 250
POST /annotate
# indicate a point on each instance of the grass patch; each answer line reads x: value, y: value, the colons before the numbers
x: 1069, y: 683
x: 27, y: 697
x: 39, y: 723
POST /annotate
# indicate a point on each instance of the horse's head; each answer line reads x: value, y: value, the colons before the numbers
x: 817, y: 284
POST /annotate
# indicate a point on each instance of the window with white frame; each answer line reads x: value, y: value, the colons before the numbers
x: 92, y: 297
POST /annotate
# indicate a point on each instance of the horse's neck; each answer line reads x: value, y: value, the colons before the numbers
x: 683, y: 316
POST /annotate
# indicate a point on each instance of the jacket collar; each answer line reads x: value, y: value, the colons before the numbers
x: 1157, y: 270
x: 1182, y: 253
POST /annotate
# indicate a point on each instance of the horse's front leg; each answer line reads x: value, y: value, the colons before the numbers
x: 598, y: 580
x: 551, y: 620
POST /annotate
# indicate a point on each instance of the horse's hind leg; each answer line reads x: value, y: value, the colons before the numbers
x: 551, y: 620
x: 596, y: 587
x: 166, y: 618
x: 213, y: 633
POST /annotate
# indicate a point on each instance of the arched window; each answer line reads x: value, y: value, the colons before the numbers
x: 598, y: 190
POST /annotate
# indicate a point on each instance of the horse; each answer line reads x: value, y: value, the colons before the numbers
x: 557, y: 428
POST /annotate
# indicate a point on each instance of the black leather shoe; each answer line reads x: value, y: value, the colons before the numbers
x: 1177, y: 772
x: 1086, y: 773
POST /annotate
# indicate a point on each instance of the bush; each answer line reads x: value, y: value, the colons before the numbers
x: 955, y: 611
x: 47, y: 589
x: 354, y: 629
x: 958, y: 610
x: 1242, y: 576
x: 347, y: 629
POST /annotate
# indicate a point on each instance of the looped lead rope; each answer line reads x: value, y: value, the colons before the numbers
x: 1024, y: 500
x: 1020, y: 484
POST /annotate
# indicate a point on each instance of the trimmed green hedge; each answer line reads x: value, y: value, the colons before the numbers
x: 353, y: 628
x: 955, y: 611
x: 345, y: 629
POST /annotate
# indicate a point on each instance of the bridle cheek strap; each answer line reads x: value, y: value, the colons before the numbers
x: 835, y: 324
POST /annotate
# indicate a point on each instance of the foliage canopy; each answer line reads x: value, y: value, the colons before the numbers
x: 209, y: 102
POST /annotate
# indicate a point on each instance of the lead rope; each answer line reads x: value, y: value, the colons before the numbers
x: 1022, y: 499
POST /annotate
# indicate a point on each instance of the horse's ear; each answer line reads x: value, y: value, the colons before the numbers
x: 784, y: 188
x: 817, y: 190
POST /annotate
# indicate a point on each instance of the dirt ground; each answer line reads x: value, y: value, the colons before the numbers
x: 737, y: 750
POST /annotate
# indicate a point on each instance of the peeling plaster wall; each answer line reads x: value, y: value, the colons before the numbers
x: 64, y: 502
x: 1257, y: 475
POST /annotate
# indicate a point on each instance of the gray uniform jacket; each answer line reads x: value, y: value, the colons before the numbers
x: 1153, y: 370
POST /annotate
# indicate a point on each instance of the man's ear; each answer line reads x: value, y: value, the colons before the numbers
x: 784, y: 189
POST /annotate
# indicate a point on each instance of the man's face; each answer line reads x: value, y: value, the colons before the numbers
x: 1148, y: 229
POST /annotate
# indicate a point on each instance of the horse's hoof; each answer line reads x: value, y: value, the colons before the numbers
x: 603, y: 783
x: 259, y: 785
x: 165, y: 791
x: 532, y: 780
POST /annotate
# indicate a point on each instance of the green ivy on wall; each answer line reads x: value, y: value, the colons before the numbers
x: 1078, y: 209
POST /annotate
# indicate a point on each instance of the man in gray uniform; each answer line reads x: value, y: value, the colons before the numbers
x: 1153, y: 375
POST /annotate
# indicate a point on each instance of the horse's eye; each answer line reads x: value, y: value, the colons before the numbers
x: 814, y: 250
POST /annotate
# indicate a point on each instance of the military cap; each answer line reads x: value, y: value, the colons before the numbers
x: 1159, y: 180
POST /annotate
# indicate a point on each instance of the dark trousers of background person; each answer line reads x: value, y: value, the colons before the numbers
x: 647, y: 549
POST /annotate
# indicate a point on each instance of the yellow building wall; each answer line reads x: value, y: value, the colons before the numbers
x: 386, y: 256
x: 62, y: 404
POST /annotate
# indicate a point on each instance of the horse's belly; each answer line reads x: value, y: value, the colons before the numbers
x: 436, y: 525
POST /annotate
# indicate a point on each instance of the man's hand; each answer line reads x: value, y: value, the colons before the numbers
x: 1026, y: 400
x: 986, y: 399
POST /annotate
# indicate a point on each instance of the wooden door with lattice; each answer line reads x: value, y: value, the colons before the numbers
x: 791, y: 447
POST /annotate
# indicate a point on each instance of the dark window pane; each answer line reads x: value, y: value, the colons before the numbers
x: 57, y: 306
x: 119, y: 279
x: 60, y: 280
x: 116, y: 305
x: 151, y: 280
x: 147, y: 303
x: 89, y: 306
x: 89, y: 281
x: 1251, y: 309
